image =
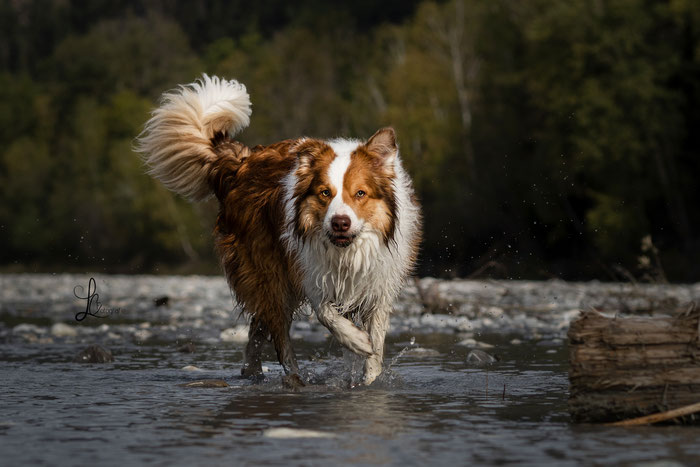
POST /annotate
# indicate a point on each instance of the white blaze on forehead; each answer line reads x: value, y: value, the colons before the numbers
x: 336, y: 174
x: 336, y: 171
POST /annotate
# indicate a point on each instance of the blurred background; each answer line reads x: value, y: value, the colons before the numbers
x: 546, y: 139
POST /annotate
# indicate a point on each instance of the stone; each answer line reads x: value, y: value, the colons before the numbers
x: 26, y: 328
x: 238, y: 334
x: 187, y: 348
x: 63, y: 330
x: 295, y: 433
x: 206, y: 383
x: 94, y: 354
x: 142, y: 335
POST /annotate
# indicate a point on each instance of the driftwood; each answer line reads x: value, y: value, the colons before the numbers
x: 660, y: 417
x: 624, y: 367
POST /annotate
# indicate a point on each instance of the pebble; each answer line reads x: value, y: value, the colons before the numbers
x: 295, y: 433
x: 26, y: 328
x: 94, y: 354
x: 198, y: 323
x: 31, y: 338
x: 161, y: 301
x: 494, y: 311
x: 142, y: 335
x: 206, y: 383
x: 63, y: 330
x: 469, y: 342
x: 238, y: 335
x: 187, y: 348
x: 203, y: 308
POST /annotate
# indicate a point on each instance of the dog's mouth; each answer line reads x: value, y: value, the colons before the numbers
x: 340, y: 240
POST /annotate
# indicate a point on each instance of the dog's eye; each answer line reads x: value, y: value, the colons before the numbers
x: 326, y: 193
x: 360, y: 194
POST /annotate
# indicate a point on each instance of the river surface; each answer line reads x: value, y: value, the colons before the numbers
x: 434, y: 405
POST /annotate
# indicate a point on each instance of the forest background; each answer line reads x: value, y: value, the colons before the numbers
x: 546, y: 139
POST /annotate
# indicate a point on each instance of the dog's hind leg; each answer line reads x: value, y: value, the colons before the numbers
x: 349, y: 335
x: 277, y: 326
x: 377, y: 324
x: 283, y: 347
x: 279, y: 331
x: 274, y: 310
x: 257, y: 334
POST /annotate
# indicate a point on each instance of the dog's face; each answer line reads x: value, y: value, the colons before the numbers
x: 345, y: 188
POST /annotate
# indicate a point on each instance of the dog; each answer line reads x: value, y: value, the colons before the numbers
x: 332, y: 223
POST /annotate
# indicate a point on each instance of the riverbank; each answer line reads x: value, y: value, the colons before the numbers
x: 53, y: 307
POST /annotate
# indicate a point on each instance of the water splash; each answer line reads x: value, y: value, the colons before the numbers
x: 411, y: 343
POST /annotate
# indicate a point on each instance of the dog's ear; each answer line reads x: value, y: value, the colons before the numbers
x: 306, y: 151
x: 383, y: 145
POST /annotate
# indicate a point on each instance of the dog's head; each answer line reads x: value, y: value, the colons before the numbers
x: 345, y: 188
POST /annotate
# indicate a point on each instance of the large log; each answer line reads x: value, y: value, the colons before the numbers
x: 623, y: 367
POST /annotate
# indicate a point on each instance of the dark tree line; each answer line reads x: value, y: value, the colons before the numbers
x: 546, y: 139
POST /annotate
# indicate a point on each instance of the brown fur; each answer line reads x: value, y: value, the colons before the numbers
x: 247, y: 234
x: 251, y: 220
x: 188, y: 145
x: 367, y: 172
x: 314, y: 159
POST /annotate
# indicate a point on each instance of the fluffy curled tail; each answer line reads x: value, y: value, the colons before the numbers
x: 176, y: 142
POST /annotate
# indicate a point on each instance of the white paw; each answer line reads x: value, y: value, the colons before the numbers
x: 373, y: 368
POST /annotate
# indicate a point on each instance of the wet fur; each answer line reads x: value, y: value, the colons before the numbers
x: 271, y: 232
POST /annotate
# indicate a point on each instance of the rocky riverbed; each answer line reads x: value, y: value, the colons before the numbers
x: 476, y: 372
x: 46, y: 308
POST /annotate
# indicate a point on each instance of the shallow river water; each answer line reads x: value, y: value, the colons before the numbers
x: 433, y: 406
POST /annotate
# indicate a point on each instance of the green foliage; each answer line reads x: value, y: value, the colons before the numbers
x: 545, y: 138
x: 610, y: 107
x: 73, y: 191
x: 131, y: 53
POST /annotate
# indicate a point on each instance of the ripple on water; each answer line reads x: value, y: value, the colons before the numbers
x: 428, y: 407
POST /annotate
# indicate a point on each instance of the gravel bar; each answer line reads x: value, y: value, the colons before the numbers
x: 43, y: 307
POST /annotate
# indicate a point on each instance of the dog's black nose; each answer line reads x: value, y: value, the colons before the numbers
x: 340, y: 223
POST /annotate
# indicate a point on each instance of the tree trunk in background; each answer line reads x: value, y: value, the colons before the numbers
x: 459, y: 49
x: 668, y: 176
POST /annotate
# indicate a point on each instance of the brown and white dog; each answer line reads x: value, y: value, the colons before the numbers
x: 334, y: 223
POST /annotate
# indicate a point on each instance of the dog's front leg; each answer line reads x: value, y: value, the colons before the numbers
x: 377, y: 325
x: 349, y: 335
